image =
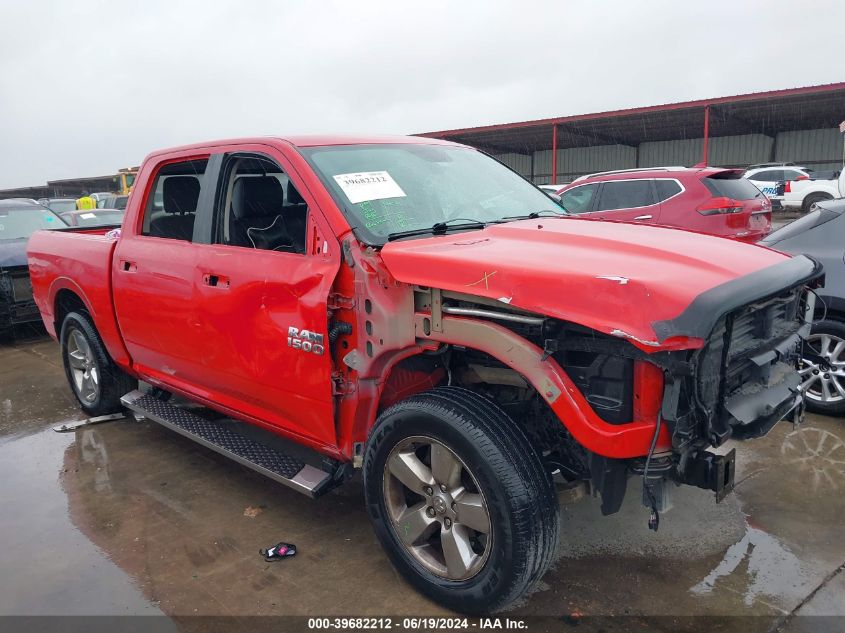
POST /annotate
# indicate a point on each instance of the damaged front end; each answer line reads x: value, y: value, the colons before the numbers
x: 16, y: 301
x: 739, y: 384
x: 602, y: 407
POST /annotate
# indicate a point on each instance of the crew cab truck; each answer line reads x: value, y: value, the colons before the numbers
x: 414, y: 308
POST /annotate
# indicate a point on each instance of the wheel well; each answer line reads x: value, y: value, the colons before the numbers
x: 834, y: 315
x: 815, y: 196
x: 829, y: 308
x: 487, y: 376
x: 67, y: 301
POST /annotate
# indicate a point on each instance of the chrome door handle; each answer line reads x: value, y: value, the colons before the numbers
x: 643, y: 217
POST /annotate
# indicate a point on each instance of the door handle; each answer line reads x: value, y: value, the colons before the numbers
x: 643, y: 217
x: 215, y: 281
x: 128, y: 267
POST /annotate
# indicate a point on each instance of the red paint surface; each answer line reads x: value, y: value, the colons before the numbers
x: 560, y: 270
x: 226, y: 346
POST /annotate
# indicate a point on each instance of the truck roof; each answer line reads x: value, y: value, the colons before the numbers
x: 313, y: 140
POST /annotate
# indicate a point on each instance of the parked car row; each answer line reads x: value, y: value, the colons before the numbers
x: 795, y: 187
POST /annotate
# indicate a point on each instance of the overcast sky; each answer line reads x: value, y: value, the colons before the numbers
x: 87, y: 86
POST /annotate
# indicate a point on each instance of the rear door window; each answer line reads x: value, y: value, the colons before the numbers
x: 173, y: 200
x: 579, y: 199
x: 626, y: 194
x: 736, y: 188
x: 666, y: 189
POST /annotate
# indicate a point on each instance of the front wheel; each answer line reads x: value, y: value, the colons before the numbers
x: 96, y: 381
x: 459, y: 499
x: 823, y: 368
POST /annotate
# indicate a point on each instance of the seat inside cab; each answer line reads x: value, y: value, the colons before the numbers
x: 264, y: 210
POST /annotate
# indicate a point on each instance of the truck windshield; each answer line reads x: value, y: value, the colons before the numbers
x: 393, y: 188
x: 16, y: 224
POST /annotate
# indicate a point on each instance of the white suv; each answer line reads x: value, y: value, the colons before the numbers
x: 766, y: 177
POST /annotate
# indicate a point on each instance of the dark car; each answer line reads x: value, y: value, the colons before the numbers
x: 19, y: 219
x: 821, y: 234
x: 703, y: 199
x: 93, y: 217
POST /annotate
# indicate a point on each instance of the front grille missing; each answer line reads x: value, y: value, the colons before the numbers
x: 747, y: 369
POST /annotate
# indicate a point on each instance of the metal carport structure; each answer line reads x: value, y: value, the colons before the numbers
x: 764, y: 114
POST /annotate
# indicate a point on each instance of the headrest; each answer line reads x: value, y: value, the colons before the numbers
x: 181, y: 194
x: 257, y: 197
x: 293, y: 195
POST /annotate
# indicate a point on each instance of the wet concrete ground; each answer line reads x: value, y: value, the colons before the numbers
x: 129, y: 518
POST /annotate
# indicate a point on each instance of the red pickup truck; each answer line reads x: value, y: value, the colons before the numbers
x: 414, y: 308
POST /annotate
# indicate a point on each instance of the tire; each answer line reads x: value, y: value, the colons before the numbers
x: 812, y: 199
x: 95, y: 380
x: 497, y: 466
x: 820, y: 380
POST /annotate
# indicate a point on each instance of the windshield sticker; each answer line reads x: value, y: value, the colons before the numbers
x: 87, y: 216
x: 388, y: 215
x: 369, y: 185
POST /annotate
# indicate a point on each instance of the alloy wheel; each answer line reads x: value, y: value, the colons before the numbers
x: 437, y: 509
x: 83, y: 367
x: 823, y: 376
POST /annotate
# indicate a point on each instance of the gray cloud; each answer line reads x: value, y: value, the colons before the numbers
x: 89, y: 86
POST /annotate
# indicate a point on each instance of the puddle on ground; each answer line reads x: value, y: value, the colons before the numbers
x: 49, y: 566
x: 771, y: 569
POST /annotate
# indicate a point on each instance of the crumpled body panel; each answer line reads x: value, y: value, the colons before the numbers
x: 614, y: 278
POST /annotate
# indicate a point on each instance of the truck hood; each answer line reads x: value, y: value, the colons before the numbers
x: 12, y: 253
x: 655, y: 286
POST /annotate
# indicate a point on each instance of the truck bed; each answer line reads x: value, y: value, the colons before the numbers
x: 76, y: 261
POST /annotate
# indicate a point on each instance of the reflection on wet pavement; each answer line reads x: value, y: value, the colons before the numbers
x: 126, y: 517
x: 769, y: 565
x: 818, y: 451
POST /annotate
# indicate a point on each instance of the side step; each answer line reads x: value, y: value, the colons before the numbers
x: 267, y: 460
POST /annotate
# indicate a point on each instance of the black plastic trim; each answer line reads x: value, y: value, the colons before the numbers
x: 700, y: 317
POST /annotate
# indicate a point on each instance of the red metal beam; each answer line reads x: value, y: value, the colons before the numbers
x: 554, y: 154
x: 704, y: 154
x: 789, y: 92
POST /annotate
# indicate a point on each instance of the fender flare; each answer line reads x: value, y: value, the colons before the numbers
x: 551, y: 382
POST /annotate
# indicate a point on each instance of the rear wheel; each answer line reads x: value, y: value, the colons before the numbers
x: 459, y: 499
x: 823, y: 368
x: 96, y: 381
x: 812, y: 199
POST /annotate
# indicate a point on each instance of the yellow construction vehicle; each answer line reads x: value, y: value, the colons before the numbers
x: 125, y: 179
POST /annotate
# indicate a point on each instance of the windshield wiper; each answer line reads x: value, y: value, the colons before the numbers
x: 534, y: 215
x: 439, y: 228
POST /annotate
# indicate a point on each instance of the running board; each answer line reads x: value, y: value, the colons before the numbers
x: 267, y: 460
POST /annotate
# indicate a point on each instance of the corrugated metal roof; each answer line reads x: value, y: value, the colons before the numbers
x: 768, y: 113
